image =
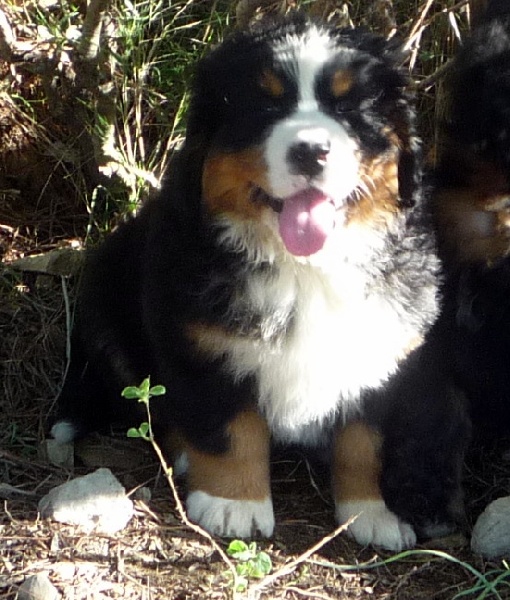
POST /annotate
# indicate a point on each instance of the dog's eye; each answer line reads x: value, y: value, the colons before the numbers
x: 344, y: 107
x: 349, y: 105
x: 269, y: 106
x: 346, y: 103
x: 266, y: 104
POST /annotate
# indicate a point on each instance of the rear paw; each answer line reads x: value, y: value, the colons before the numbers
x: 64, y: 431
x: 375, y: 524
x: 231, y: 518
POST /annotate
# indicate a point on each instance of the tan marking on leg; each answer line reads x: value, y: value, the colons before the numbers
x: 356, y: 463
x: 241, y: 473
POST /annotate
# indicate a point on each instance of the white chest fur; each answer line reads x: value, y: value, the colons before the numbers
x: 341, y: 340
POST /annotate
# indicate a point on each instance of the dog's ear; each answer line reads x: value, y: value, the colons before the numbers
x: 410, y: 167
x: 410, y: 164
x: 183, y: 180
x: 201, y: 123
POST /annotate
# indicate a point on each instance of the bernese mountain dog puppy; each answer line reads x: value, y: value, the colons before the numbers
x: 283, y: 288
x: 472, y: 207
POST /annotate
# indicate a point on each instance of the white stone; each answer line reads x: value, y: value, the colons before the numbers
x: 95, y: 502
x: 37, y: 587
x: 491, y: 533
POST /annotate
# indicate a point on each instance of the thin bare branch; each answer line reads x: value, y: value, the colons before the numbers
x: 90, y: 39
x: 6, y: 38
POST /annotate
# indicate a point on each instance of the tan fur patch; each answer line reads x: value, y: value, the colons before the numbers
x: 241, y: 473
x: 228, y: 180
x: 272, y: 84
x: 356, y: 463
x: 341, y: 83
x: 210, y: 340
x: 474, y: 220
x: 379, y: 199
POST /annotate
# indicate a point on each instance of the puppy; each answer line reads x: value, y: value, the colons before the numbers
x: 472, y: 208
x: 283, y: 287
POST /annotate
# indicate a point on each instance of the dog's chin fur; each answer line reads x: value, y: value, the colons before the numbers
x: 284, y: 285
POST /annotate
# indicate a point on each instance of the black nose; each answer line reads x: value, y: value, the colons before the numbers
x: 308, y: 158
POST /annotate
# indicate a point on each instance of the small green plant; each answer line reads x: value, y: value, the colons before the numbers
x: 143, y: 393
x: 251, y: 562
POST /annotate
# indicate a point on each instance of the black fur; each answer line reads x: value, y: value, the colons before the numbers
x: 475, y: 163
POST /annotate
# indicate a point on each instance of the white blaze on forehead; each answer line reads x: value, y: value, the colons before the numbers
x: 305, y: 56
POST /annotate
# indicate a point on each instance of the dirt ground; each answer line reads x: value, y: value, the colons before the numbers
x: 157, y: 556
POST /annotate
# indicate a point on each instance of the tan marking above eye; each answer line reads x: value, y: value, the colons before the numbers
x: 341, y: 82
x: 271, y: 83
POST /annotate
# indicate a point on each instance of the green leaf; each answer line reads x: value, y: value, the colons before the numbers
x: 133, y: 432
x: 236, y: 546
x: 244, y: 555
x: 145, y: 429
x: 144, y: 387
x: 243, y: 569
x: 157, y: 390
x: 131, y: 392
x: 262, y: 565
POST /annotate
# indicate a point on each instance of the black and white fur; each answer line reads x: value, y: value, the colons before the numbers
x: 201, y: 292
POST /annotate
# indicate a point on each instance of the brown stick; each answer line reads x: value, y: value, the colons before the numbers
x: 6, y: 38
x: 246, y: 10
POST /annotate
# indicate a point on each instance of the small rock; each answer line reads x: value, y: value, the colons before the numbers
x: 95, y: 502
x: 37, y: 587
x: 491, y: 533
x: 63, y: 261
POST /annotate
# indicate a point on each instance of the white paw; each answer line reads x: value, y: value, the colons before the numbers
x: 63, y: 432
x: 231, y: 518
x: 376, y: 525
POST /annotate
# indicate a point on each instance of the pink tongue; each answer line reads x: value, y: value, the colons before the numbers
x: 306, y: 220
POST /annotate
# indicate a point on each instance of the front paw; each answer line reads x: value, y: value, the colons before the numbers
x: 231, y: 518
x: 375, y: 524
